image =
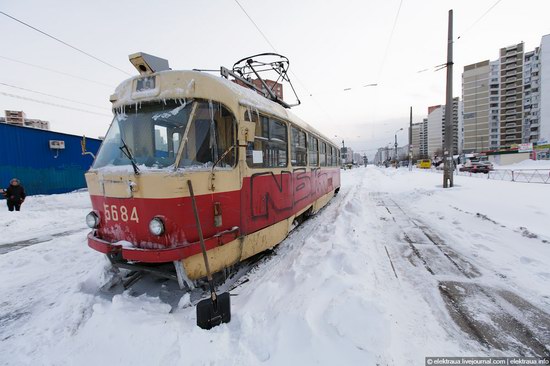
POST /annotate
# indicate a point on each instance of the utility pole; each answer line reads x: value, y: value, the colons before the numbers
x: 396, y: 150
x: 448, y: 148
x: 344, y: 154
x: 396, y: 160
x: 410, y: 138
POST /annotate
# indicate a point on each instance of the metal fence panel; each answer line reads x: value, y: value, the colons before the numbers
x: 541, y: 176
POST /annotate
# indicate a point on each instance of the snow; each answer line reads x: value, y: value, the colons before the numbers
x: 526, y: 164
x: 330, y: 295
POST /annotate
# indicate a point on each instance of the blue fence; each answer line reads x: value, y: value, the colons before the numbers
x: 25, y: 154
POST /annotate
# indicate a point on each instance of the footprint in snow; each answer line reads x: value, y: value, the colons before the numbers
x: 526, y: 260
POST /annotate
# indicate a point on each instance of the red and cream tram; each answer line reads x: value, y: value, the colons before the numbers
x: 254, y: 167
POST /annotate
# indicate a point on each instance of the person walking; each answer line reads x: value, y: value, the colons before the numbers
x: 15, y: 195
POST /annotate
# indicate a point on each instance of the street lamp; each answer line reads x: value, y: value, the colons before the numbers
x: 401, y: 129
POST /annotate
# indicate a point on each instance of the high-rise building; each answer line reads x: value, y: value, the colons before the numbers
x: 531, y: 96
x: 435, y: 118
x: 346, y: 154
x: 494, y: 105
x: 511, y: 95
x: 507, y: 101
x: 419, y: 147
x: 436, y: 128
x: 475, y: 94
x: 544, y: 96
x: 458, y: 126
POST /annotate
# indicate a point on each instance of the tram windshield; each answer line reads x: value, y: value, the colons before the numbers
x: 153, y: 133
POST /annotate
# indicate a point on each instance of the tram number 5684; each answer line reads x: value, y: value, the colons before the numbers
x: 120, y: 213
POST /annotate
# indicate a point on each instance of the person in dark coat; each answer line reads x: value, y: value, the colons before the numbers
x: 15, y: 195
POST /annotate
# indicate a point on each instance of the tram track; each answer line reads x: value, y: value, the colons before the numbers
x: 495, y: 317
x: 20, y: 244
x: 137, y: 283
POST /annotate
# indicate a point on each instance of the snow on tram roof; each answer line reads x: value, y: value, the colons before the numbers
x: 183, y: 84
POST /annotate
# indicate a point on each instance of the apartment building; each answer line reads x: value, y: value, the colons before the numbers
x: 436, y: 115
x: 511, y: 95
x: 494, y: 105
x: 531, y: 96
x: 544, y: 96
x: 507, y: 101
x: 419, y: 147
x: 18, y: 118
x: 436, y: 128
x: 346, y: 154
x: 475, y: 95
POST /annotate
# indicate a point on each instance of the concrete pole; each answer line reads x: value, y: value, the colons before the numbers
x: 448, y: 148
x: 396, y: 150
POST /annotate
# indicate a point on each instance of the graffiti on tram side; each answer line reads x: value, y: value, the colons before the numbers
x: 280, y: 193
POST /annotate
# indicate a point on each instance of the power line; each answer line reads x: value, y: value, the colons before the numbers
x: 53, y: 104
x: 270, y: 44
x: 443, y: 66
x: 274, y: 49
x: 56, y: 71
x: 53, y: 96
x: 478, y: 19
x: 255, y: 25
x: 65, y: 43
x: 390, y: 39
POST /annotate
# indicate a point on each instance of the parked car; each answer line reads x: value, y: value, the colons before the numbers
x: 477, y: 167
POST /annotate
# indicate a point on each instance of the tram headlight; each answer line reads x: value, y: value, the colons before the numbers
x: 156, y: 226
x: 92, y: 220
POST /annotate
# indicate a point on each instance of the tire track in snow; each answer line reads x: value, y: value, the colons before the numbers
x: 486, y: 314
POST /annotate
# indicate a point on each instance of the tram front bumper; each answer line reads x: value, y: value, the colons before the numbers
x: 137, y: 254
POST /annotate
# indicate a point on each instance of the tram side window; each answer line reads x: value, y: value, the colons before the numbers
x: 322, y: 154
x: 335, y: 157
x: 269, y: 149
x: 210, y: 135
x: 329, y: 155
x: 298, y: 152
x: 312, y: 148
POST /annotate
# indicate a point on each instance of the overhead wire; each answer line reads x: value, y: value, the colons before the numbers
x: 292, y: 72
x: 275, y: 50
x: 55, y: 71
x: 270, y: 44
x: 479, y: 19
x: 53, y: 104
x: 443, y: 66
x: 64, y: 43
x: 53, y: 96
x: 385, y: 57
x: 255, y: 25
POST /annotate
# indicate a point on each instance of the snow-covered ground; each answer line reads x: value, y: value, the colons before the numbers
x: 394, y: 269
x: 526, y: 164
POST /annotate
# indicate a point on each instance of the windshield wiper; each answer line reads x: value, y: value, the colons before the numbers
x: 126, y: 151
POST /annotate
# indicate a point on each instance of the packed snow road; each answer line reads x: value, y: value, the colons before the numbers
x: 393, y: 270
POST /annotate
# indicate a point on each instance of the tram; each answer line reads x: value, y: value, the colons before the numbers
x: 255, y: 169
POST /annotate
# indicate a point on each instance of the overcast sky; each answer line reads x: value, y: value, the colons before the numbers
x: 332, y: 45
